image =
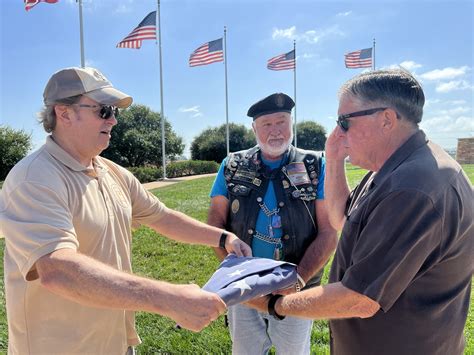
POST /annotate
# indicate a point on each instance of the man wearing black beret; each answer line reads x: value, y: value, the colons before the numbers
x: 272, y: 197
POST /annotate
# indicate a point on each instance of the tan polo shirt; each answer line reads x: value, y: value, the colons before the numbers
x: 48, y: 202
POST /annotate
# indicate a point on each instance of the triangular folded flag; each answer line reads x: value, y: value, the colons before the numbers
x: 241, y: 279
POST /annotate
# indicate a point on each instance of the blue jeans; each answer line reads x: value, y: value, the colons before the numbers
x: 253, y: 332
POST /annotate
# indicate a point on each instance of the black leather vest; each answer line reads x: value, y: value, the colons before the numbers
x: 247, y: 180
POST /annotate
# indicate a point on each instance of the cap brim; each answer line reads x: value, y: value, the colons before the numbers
x: 110, y: 96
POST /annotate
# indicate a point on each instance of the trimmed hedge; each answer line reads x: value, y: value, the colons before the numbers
x: 174, y: 169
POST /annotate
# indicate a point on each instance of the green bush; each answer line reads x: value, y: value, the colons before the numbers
x: 146, y: 173
x: 174, y: 170
x: 191, y: 167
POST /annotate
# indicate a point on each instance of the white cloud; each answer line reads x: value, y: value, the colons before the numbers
x: 445, y: 74
x: 189, y: 109
x: 347, y: 13
x: 284, y: 33
x: 310, y: 36
x: 460, y: 125
x: 453, y: 85
x: 454, y: 111
x: 410, y: 65
x: 456, y: 102
x: 430, y: 102
x: 438, y: 102
x: 123, y: 9
x: 196, y: 112
x: 90, y: 63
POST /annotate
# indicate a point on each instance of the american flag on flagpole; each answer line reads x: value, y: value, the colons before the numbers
x: 282, y: 62
x: 145, y: 30
x: 210, y: 52
x: 30, y: 3
x: 359, y: 59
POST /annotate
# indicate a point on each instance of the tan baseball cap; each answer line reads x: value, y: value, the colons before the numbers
x: 84, y: 81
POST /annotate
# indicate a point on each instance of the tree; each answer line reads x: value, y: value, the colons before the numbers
x: 211, y: 143
x: 136, y: 139
x: 311, y: 135
x: 14, y: 145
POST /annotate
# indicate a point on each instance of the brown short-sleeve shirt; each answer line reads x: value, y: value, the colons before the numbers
x: 48, y: 202
x: 408, y: 243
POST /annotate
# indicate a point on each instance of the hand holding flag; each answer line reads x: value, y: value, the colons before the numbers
x: 241, y: 279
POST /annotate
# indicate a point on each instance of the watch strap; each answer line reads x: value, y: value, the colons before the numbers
x: 271, y: 307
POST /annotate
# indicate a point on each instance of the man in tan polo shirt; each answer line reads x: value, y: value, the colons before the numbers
x: 66, y: 214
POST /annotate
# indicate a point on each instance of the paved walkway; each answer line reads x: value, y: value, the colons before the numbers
x: 156, y: 184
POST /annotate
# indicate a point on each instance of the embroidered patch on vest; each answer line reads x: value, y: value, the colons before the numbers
x: 297, y: 173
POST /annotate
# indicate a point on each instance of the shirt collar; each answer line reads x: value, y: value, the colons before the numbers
x: 416, y: 141
x: 66, y: 159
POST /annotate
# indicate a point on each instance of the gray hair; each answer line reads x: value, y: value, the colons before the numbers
x: 47, y: 116
x: 394, y: 88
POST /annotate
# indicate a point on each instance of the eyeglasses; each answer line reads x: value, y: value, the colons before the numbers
x: 343, y: 122
x: 106, y: 111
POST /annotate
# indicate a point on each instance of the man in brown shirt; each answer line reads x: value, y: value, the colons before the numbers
x: 66, y: 214
x: 401, y: 278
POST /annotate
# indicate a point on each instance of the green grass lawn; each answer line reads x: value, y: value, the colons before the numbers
x: 158, y: 257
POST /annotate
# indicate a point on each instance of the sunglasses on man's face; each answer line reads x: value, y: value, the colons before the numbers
x: 105, y: 112
x: 343, y: 122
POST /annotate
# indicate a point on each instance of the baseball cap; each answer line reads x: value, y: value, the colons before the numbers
x: 84, y: 81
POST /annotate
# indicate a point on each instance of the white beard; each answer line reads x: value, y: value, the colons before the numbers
x: 272, y: 150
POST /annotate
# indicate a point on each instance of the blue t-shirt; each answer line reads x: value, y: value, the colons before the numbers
x: 262, y: 248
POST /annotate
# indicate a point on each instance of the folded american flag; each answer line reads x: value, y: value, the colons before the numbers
x: 241, y: 279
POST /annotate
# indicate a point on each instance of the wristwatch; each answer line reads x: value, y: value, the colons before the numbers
x: 299, y: 283
x: 222, y: 240
x: 271, y: 307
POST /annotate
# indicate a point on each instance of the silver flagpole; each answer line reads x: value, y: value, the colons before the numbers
x: 294, y: 79
x: 226, y: 94
x: 373, y: 64
x: 81, y: 34
x: 161, y: 93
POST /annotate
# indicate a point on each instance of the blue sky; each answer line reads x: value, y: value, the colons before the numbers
x: 433, y: 39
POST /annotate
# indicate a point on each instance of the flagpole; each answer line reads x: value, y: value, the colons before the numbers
x: 226, y: 93
x: 373, y: 64
x: 81, y: 33
x: 162, y: 114
x: 294, y: 80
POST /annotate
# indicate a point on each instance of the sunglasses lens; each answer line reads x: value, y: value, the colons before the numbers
x: 107, y: 111
x: 344, y: 124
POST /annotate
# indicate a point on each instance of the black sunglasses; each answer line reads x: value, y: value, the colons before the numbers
x: 106, y: 111
x: 343, y: 122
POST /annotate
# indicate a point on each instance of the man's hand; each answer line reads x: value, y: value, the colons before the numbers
x: 335, y: 145
x: 260, y: 303
x: 234, y: 245
x: 197, y: 308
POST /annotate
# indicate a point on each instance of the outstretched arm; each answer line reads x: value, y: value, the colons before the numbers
x: 87, y: 281
x: 180, y: 227
x: 217, y: 217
